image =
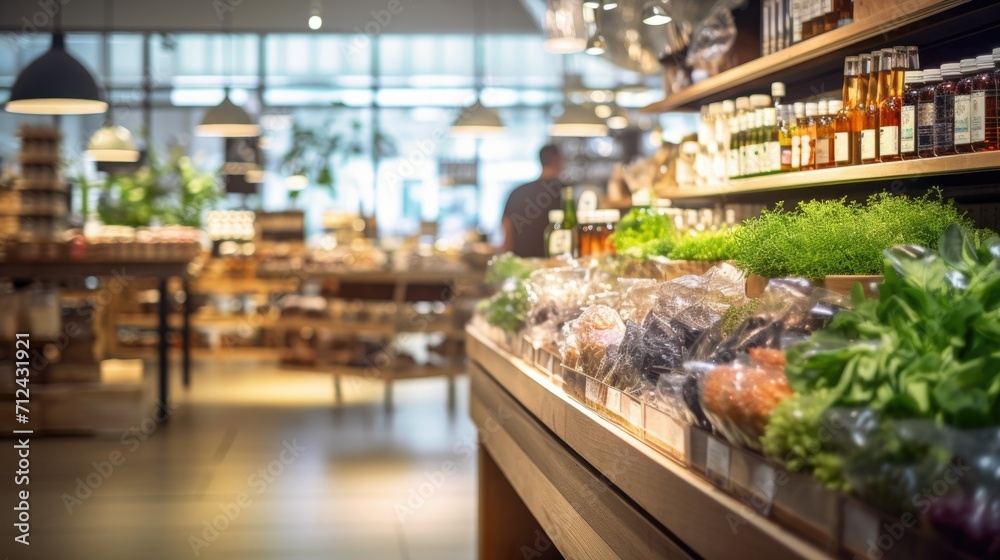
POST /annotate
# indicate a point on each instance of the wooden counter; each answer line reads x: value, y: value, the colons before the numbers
x: 594, y: 490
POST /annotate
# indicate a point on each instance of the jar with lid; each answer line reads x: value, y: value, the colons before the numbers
x: 944, y: 109
x: 984, y: 106
x: 927, y: 113
x: 908, y: 114
x: 963, y: 106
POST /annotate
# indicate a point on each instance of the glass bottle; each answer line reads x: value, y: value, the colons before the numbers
x: 912, y: 84
x: 553, y: 240
x: 984, y: 106
x: 824, y: 136
x: 927, y: 113
x: 849, y: 96
x: 891, y: 107
x: 798, y: 115
x: 785, y: 138
x: 807, y: 137
x: 856, y: 111
x: 563, y: 240
x: 846, y: 10
x: 869, y: 130
x: 963, y: 106
x: 584, y: 234
x: 733, y: 163
x: 944, y: 109
x: 745, y: 114
x: 830, y: 16
x: 611, y: 219
x: 759, y: 102
x: 777, y: 94
x: 772, y: 141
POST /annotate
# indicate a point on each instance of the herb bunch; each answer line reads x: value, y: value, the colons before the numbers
x: 709, y: 246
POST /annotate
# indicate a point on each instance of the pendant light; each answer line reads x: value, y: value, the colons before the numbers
x: 111, y: 143
x: 578, y: 121
x: 565, y: 28
x: 654, y: 14
x: 478, y: 120
x: 227, y: 120
x: 55, y: 84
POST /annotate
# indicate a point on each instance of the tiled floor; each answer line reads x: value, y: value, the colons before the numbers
x: 359, y: 483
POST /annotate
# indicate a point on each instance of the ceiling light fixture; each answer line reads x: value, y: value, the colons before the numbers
x: 596, y: 45
x: 113, y: 143
x: 478, y: 119
x: 315, y: 22
x: 653, y: 13
x: 578, y: 121
x: 565, y: 28
x: 609, y: 4
x: 227, y: 120
x: 55, y: 84
x: 592, y: 4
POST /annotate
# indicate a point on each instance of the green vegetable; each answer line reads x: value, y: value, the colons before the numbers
x: 735, y: 315
x: 797, y: 437
x: 927, y: 347
x: 508, y: 265
x: 643, y: 233
x: 710, y: 246
x: 508, y: 307
x: 822, y: 238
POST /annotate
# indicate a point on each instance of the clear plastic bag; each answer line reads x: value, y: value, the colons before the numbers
x: 790, y: 310
x: 591, y: 341
x: 738, y: 397
x: 557, y: 296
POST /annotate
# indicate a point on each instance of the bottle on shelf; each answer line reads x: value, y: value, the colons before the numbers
x: 796, y: 13
x: 611, y: 219
x: 777, y: 93
x: 891, y: 107
x: 795, y: 130
x: 733, y: 155
x: 553, y: 240
x: 772, y: 141
x: 913, y: 82
x: 785, y: 137
x: 963, y: 106
x: 913, y: 58
x: 831, y: 17
x: 563, y: 240
x: 944, y: 109
x: 927, y: 113
x: 744, y: 115
x: 824, y: 135
x: 807, y: 137
x: 877, y: 83
x: 845, y: 152
x: 758, y: 102
x: 845, y: 8
x: 984, y: 106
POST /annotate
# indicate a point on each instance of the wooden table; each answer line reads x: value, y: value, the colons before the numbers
x: 161, y: 270
x: 557, y: 480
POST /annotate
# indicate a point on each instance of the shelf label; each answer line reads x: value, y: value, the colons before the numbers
x: 614, y: 401
x: 755, y: 479
x: 592, y: 390
x: 635, y: 413
x: 860, y: 528
x: 667, y: 430
x: 717, y: 462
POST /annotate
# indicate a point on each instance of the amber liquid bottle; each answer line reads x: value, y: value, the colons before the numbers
x: 877, y: 86
x: 913, y: 83
x: 927, y: 113
x: 826, y: 133
x: 891, y: 107
x: 807, y: 137
x: 857, y: 111
x: 844, y: 151
x: 984, y: 106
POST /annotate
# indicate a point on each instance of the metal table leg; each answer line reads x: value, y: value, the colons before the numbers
x: 186, y: 335
x: 164, y: 372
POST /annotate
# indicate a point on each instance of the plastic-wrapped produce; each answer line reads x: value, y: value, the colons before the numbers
x: 632, y: 297
x: 592, y: 340
x: 790, y: 310
x: 738, y: 397
x: 559, y: 295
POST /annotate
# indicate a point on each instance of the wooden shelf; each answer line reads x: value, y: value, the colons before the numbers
x: 898, y: 170
x: 871, y: 19
x: 538, y: 437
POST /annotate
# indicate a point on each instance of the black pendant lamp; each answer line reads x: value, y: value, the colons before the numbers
x: 55, y: 84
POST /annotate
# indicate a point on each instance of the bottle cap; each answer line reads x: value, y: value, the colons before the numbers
x: 984, y: 62
x: 951, y: 70
x: 932, y: 75
x: 728, y: 106
x: 760, y: 100
x: 800, y: 109
x: 968, y: 65
x: 914, y: 77
x: 778, y: 89
x: 851, y: 65
x: 555, y: 216
x: 823, y: 107
x: 836, y: 106
x: 742, y: 103
x: 585, y: 216
x: 811, y: 109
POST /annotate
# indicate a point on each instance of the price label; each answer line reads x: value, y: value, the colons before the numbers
x: 635, y: 413
x: 614, y: 401
x: 593, y: 391
x: 860, y: 527
x: 717, y: 462
x: 755, y: 479
x: 667, y: 430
